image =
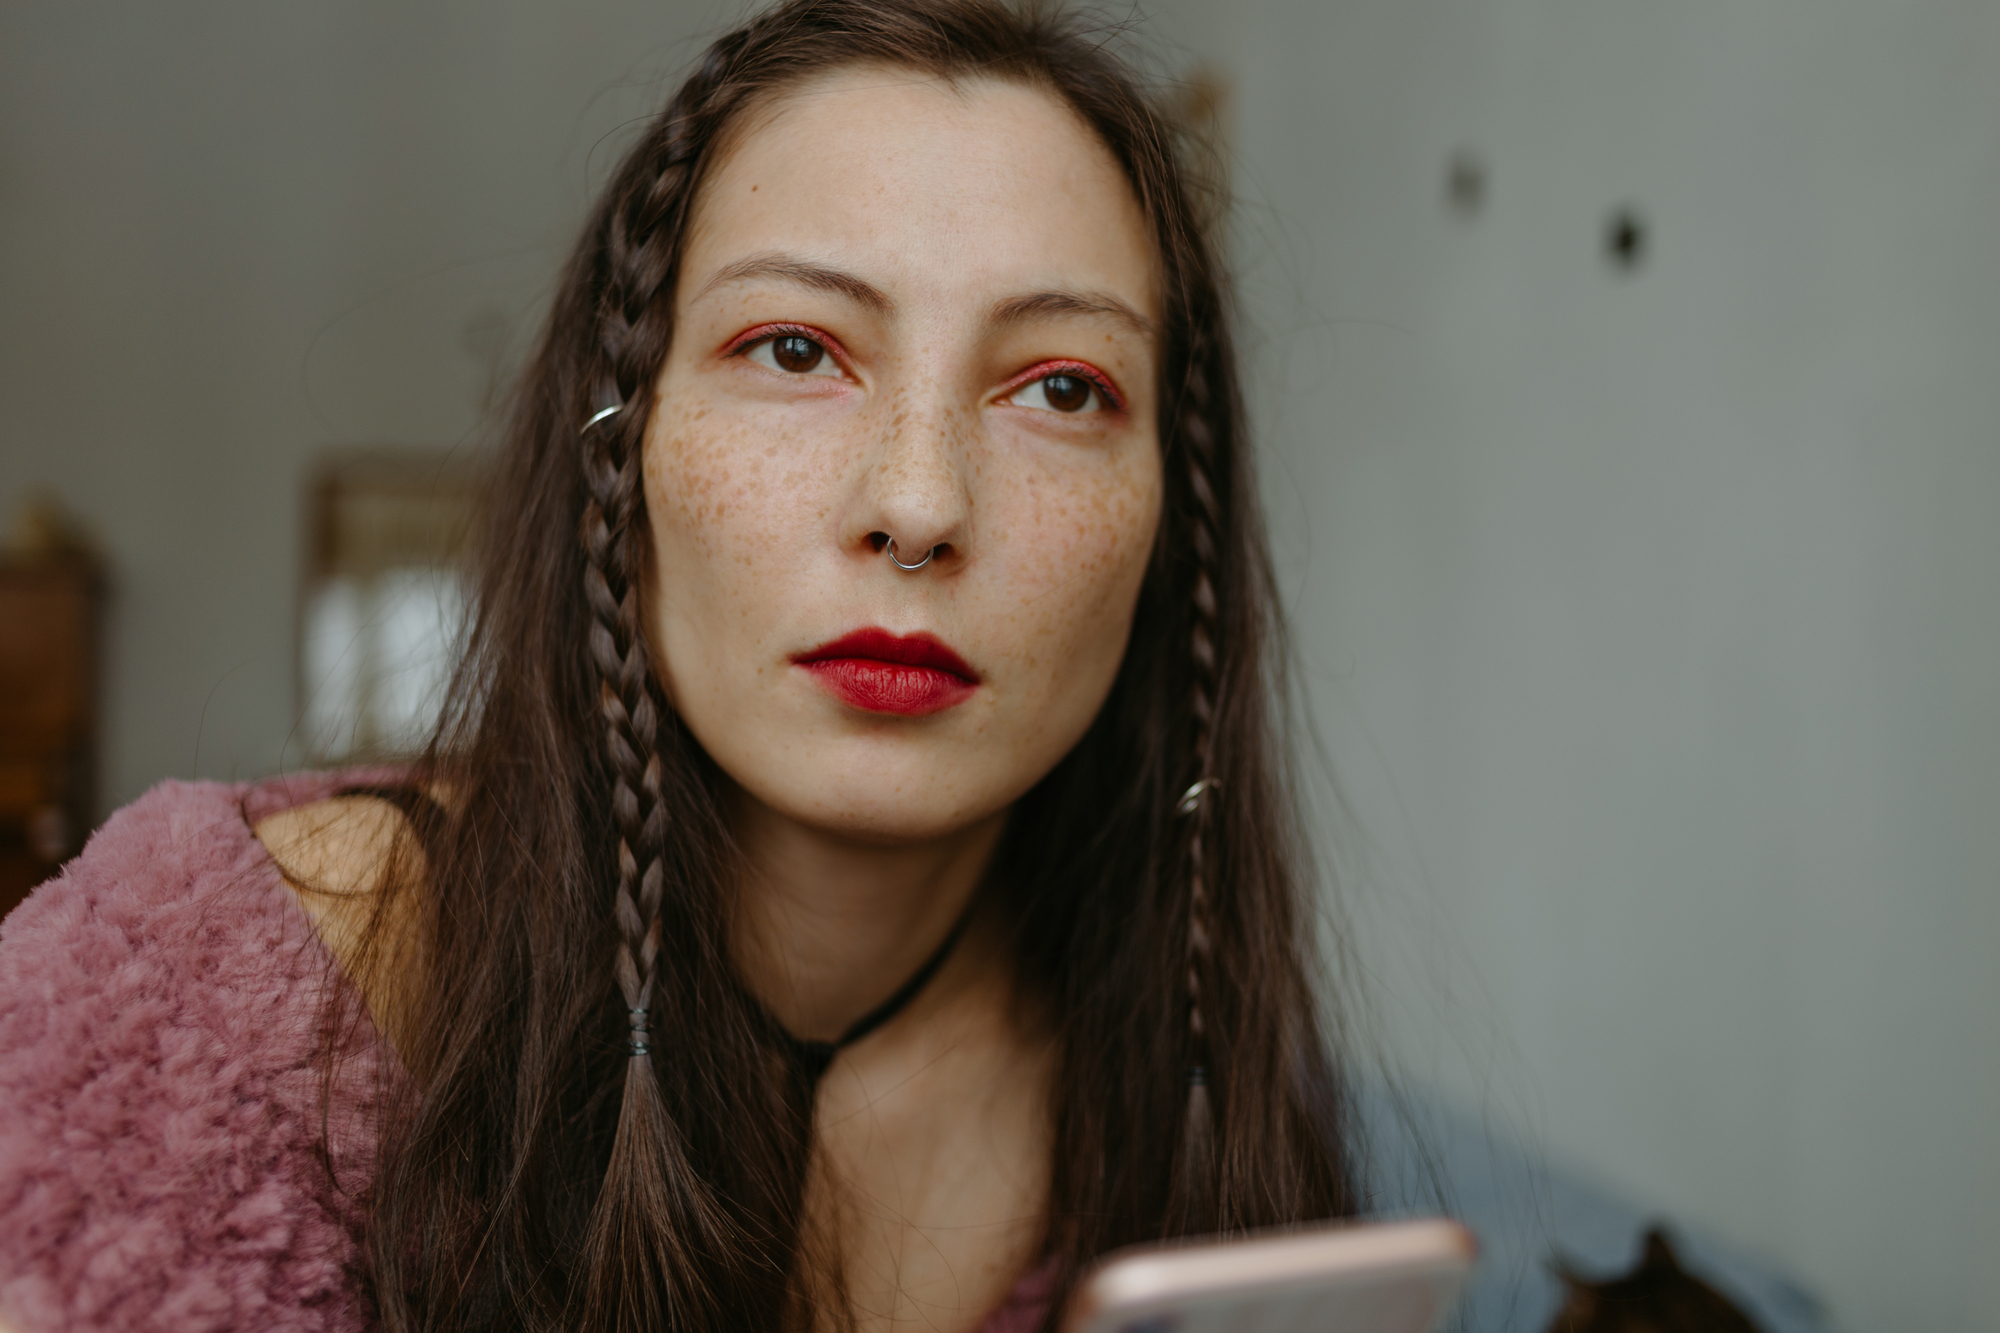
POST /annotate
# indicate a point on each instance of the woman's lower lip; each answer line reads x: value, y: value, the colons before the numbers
x: 889, y: 687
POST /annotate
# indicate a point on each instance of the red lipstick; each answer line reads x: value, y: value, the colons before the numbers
x: 880, y: 672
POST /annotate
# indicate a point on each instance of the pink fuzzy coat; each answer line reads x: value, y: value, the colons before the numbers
x: 161, y: 1118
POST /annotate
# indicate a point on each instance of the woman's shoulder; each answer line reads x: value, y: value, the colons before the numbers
x: 164, y: 1143
x: 332, y: 853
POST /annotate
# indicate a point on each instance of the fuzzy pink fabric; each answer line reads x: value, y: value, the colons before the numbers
x: 158, y: 1035
x: 161, y: 1111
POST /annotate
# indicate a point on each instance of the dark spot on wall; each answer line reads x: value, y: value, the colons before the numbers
x: 1625, y: 239
x: 1465, y: 183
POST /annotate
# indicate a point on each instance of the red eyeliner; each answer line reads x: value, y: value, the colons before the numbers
x: 764, y: 331
x: 1078, y: 368
x: 909, y: 675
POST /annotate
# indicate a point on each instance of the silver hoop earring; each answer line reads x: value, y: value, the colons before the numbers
x: 600, y: 415
x: 891, y: 550
x: 1191, y: 798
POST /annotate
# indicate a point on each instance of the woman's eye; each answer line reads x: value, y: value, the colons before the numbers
x: 1059, y: 393
x: 794, y: 354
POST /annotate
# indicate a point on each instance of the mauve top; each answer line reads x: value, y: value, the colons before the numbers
x: 161, y: 1120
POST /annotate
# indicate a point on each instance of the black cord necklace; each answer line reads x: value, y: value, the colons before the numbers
x: 813, y: 1057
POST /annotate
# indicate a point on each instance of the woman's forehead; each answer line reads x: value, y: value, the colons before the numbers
x: 935, y: 190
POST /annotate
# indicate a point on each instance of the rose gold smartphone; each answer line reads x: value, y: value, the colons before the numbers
x: 1394, y: 1277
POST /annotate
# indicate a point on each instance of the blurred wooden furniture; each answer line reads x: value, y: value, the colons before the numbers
x: 49, y: 605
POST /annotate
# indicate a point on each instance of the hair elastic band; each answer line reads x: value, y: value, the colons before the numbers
x: 640, y: 1024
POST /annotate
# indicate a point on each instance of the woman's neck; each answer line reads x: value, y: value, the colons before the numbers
x: 829, y: 927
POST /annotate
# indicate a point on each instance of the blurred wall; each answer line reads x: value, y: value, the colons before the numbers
x: 232, y: 234
x: 1651, y: 618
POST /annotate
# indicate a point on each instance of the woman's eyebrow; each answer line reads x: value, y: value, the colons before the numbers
x: 1011, y: 310
x: 804, y: 272
x: 1044, y: 305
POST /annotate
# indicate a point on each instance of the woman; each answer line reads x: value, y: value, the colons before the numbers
x: 853, y: 885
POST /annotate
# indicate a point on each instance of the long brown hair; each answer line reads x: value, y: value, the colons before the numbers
x: 602, y: 1127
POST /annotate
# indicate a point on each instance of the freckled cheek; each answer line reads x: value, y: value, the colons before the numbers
x: 1083, y: 555
x: 724, y: 503
x: 688, y: 499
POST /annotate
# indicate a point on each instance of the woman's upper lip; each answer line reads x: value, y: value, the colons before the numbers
x: 919, y: 650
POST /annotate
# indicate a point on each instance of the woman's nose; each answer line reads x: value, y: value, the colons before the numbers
x: 916, y: 491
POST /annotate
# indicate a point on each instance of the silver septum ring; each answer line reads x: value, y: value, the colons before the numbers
x: 908, y: 569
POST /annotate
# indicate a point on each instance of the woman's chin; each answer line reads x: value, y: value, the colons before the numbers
x: 881, y: 819
x: 879, y: 807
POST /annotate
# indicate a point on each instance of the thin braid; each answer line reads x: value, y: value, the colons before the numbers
x: 613, y: 556
x: 655, y: 1214
x: 1196, y: 1184
x: 633, y: 330
x: 631, y: 719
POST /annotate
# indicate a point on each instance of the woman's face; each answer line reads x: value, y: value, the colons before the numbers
x: 924, y: 312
